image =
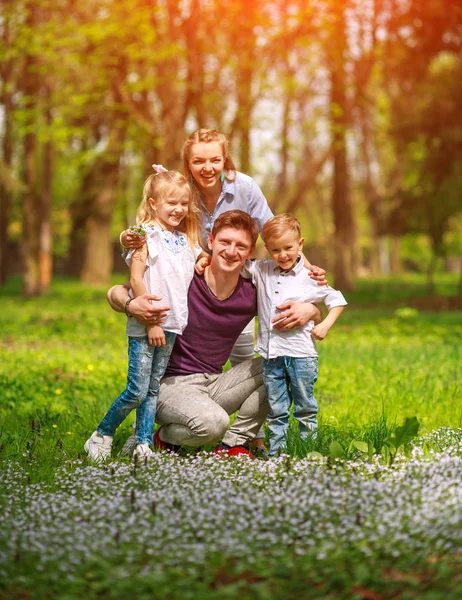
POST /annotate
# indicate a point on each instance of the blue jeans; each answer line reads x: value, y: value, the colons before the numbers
x: 288, y: 379
x: 146, y: 367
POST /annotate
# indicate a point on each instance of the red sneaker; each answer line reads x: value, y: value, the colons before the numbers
x: 235, y: 450
x: 161, y: 445
x: 225, y: 450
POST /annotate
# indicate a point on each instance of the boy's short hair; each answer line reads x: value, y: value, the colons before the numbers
x: 236, y: 219
x: 280, y: 225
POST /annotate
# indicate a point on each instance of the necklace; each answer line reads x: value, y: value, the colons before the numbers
x: 213, y: 293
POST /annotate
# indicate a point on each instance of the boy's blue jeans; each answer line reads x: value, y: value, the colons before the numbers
x: 146, y: 367
x: 288, y: 379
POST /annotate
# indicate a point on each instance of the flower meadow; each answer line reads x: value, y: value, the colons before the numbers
x: 202, y: 514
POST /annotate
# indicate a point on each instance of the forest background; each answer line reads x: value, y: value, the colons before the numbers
x: 347, y: 113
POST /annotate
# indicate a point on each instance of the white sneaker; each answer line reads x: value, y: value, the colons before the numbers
x: 128, y: 447
x: 98, y: 447
x: 142, y: 452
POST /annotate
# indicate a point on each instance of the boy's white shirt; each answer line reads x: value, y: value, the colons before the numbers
x: 275, y: 287
x: 169, y: 271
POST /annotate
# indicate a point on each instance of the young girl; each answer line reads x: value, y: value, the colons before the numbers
x: 164, y: 266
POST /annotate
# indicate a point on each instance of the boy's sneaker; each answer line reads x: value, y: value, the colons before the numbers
x: 129, y: 447
x: 261, y: 452
x: 225, y: 450
x: 98, y: 447
x: 142, y: 452
x: 161, y: 445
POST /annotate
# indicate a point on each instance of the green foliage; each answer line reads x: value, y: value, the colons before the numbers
x: 401, y: 436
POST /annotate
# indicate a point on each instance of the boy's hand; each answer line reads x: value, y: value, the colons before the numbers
x: 319, y: 332
x: 318, y: 275
x: 156, y: 336
x: 202, y: 262
x: 129, y: 239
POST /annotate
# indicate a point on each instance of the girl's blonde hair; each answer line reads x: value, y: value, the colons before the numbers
x: 167, y: 184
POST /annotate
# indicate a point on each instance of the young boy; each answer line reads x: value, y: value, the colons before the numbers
x: 290, y: 360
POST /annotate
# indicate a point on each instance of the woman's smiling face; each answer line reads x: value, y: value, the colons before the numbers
x: 206, y: 162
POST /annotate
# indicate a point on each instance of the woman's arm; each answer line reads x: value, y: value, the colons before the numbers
x: 316, y: 273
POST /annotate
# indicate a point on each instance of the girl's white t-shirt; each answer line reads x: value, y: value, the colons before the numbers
x: 169, y: 271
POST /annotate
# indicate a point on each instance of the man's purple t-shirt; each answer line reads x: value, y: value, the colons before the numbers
x: 213, y: 328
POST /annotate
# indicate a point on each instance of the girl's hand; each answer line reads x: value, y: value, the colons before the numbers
x: 318, y: 275
x: 202, y: 262
x: 129, y: 239
x: 156, y: 336
x: 295, y: 314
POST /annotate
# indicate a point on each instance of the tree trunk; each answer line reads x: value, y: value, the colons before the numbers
x: 245, y: 48
x: 80, y: 213
x: 5, y: 194
x: 32, y: 205
x: 395, y: 262
x: 384, y: 256
x: 431, y: 274
x: 281, y: 187
x: 341, y: 197
x: 45, y: 252
x: 98, y: 260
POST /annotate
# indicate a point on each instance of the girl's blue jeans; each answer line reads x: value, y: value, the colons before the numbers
x: 288, y: 379
x: 146, y: 367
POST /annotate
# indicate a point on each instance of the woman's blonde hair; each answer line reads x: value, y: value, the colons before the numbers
x: 167, y: 184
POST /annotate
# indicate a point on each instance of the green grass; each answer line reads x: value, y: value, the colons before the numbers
x: 63, y: 361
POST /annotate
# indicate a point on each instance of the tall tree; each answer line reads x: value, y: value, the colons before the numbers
x: 32, y: 214
x: 10, y: 65
x: 344, y: 268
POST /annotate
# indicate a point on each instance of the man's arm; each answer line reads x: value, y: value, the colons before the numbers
x: 140, y: 307
x: 296, y: 314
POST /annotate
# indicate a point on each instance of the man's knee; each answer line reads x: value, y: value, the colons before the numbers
x: 212, y: 428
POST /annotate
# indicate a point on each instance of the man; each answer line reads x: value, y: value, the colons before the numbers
x: 196, y: 398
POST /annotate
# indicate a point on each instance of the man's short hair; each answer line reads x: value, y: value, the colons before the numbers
x: 236, y: 219
x: 280, y: 225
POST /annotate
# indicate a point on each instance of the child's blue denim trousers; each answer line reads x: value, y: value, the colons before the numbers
x: 288, y: 379
x: 146, y: 367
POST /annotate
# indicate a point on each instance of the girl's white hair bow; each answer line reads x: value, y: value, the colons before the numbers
x: 159, y: 169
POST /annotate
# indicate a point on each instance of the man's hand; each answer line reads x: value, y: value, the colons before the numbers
x: 129, y: 239
x: 318, y: 275
x: 156, y: 336
x: 296, y: 314
x: 142, y: 309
